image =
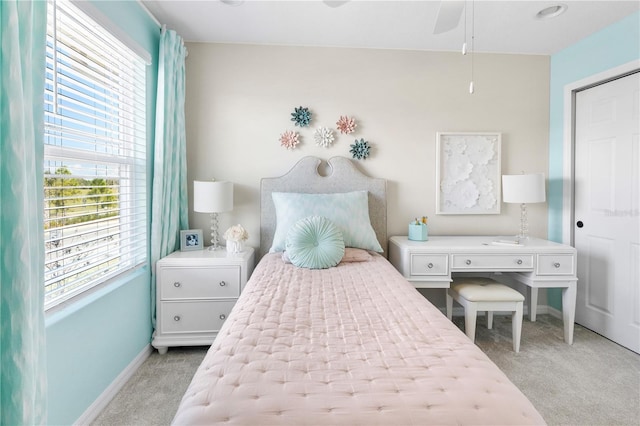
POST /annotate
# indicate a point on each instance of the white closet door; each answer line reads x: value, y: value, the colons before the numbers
x: 607, y: 209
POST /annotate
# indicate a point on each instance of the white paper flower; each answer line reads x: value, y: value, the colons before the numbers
x: 236, y: 233
x: 323, y: 136
x: 453, y: 147
x: 447, y: 185
x: 481, y: 150
x: 464, y: 195
x: 484, y: 184
x: 487, y: 201
x: 457, y: 167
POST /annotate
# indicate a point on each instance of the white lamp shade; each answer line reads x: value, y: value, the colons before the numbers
x: 523, y: 188
x: 212, y: 196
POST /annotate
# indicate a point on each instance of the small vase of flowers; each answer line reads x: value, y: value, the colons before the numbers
x: 236, y: 236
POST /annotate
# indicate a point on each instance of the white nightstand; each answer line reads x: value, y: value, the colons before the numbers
x: 195, y: 292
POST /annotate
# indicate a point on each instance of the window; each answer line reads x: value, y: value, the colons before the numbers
x: 95, y: 218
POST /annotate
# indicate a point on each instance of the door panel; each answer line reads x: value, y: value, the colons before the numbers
x: 607, y: 200
x: 599, y: 285
x: 601, y: 185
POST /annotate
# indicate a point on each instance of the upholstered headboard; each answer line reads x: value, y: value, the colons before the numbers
x: 342, y: 176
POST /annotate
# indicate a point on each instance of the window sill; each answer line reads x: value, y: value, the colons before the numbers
x: 68, y: 307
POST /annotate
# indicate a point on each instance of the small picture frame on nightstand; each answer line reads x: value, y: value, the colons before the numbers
x: 191, y: 239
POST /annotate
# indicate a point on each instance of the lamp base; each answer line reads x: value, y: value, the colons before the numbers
x: 524, y: 224
x: 214, y: 233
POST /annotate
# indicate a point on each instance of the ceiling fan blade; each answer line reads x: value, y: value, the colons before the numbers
x: 448, y: 16
x: 335, y: 3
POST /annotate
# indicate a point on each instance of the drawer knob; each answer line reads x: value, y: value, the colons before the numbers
x: 430, y: 265
x: 519, y: 261
x: 176, y: 318
x: 223, y: 316
x: 177, y: 284
x: 556, y: 265
x: 222, y: 283
x: 468, y: 262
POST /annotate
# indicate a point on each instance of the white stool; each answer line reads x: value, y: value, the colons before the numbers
x: 484, y: 294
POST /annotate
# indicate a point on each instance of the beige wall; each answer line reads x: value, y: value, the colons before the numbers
x: 240, y: 97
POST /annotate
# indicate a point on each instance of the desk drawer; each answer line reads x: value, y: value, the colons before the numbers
x: 194, y: 317
x: 555, y: 264
x: 497, y: 262
x: 429, y: 264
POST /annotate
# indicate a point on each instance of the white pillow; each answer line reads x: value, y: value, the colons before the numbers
x: 349, y: 211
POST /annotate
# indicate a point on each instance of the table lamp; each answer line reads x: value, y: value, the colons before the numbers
x: 213, y: 197
x: 523, y: 189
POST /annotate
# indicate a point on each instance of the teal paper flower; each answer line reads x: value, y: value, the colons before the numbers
x: 360, y: 149
x: 301, y: 116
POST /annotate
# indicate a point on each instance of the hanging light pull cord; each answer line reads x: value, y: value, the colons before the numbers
x: 464, y: 42
x: 473, y: 38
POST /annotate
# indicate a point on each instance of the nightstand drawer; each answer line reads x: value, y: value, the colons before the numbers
x: 429, y: 264
x: 200, y: 282
x: 194, y: 317
x: 497, y: 262
x: 558, y: 264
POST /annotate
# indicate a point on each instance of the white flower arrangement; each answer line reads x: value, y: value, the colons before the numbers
x: 236, y: 233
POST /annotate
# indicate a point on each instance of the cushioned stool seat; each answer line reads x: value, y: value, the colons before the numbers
x: 484, y: 294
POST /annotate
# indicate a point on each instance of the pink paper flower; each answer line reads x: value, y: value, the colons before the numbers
x: 346, y: 124
x: 289, y: 139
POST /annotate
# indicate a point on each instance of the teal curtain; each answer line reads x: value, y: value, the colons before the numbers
x: 169, y: 206
x: 23, y: 26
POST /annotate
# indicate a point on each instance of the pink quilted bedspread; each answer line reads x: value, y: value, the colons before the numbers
x: 351, y: 345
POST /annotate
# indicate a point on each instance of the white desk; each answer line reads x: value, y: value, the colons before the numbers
x: 536, y: 263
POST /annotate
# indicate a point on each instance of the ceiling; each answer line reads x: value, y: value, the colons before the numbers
x: 499, y: 26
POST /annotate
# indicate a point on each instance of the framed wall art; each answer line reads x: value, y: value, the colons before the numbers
x: 191, y: 239
x: 468, y: 173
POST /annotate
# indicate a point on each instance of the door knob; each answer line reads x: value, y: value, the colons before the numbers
x: 579, y: 224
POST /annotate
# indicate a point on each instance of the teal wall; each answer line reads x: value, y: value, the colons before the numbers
x: 89, y: 343
x: 615, y: 45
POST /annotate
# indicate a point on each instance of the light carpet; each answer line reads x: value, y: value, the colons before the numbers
x: 592, y: 382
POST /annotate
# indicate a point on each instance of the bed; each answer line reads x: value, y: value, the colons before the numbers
x: 353, y: 344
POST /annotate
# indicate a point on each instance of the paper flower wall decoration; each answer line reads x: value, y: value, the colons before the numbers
x: 360, y: 149
x: 323, y: 136
x: 301, y: 116
x: 346, y: 124
x: 289, y: 139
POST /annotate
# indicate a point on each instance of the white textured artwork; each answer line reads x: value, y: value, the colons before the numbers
x: 468, y: 173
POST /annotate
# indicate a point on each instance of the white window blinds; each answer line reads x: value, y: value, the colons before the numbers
x: 95, y: 219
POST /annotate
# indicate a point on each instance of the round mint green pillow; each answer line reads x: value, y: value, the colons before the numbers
x: 315, y: 243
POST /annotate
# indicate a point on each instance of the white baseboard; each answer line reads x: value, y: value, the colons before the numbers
x: 554, y: 312
x: 110, y: 392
